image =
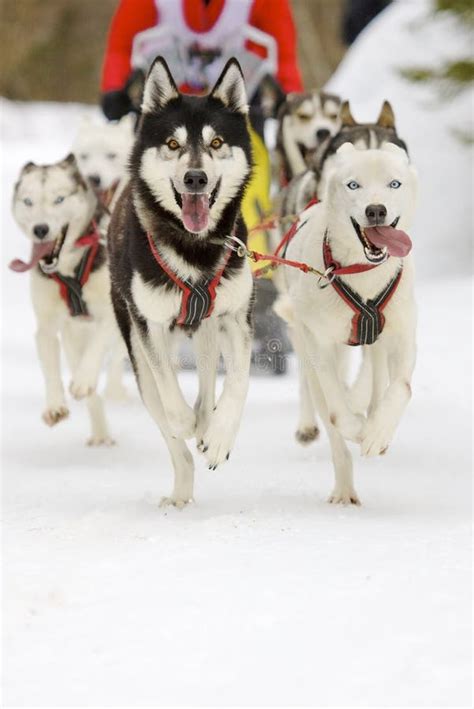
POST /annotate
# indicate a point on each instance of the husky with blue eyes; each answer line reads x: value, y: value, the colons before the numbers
x: 357, y: 237
x: 58, y: 212
x: 174, y: 271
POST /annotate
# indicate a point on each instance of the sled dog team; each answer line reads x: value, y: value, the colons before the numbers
x: 147, y: 259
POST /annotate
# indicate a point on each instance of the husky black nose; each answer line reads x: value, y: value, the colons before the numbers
x: 195, y: 180
x: 376, y: 213
x: 40, y: 230
x: 322, y: 134
x: 95, y: 180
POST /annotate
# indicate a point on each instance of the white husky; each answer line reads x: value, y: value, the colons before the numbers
x: 57, y: 210
x: 355, y: 235
x: 102, y: 151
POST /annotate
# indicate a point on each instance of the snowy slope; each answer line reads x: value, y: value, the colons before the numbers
x: 260, y: 593
x: 406, y: 35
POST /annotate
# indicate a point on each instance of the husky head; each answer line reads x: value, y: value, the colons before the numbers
x: 192, y: 155
x: 102, y: 151
x: 306, y: 120
x: 370, y: 198
x: 51, y: 204
x: 362, y: 135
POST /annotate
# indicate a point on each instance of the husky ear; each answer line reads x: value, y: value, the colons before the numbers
x: 345, y: 115
x: 27, y: 167
x: 230, y: 88
x: 69, y: 160
x: 159, y: 87
x: 386, y: 117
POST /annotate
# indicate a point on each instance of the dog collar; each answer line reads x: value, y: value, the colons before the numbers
x: 198, y: 299
x: 368, y: 320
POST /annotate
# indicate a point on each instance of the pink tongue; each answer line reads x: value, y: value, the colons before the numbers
x: 397, y: 242
x: 38, y: 252
x: 195, y: 211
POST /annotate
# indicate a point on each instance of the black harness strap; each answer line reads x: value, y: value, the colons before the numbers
x: 368, y: 320
x: 70, y: 287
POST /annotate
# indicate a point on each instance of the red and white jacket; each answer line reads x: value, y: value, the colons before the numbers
x: 207, y: 23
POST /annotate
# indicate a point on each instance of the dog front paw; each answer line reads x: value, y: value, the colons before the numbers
x: 182, y: 423
x: 217, y: 442
x: 376, y: 438
x: 178, y: 502
x: 55, y: 414
x: 343, y: 495
x: 80, y: 389
x: 307, y: 434
x: 96, y: 441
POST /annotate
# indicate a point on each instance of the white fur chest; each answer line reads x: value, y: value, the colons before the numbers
x: 162, y: 305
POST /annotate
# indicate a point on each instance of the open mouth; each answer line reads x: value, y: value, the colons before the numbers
x: 195, y: 208
x: 379, y: 242
x: 306, y: 152
x: 49, y: 262
x: 44, y: 253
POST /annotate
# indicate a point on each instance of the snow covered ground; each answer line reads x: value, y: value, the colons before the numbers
x: 260, y: 593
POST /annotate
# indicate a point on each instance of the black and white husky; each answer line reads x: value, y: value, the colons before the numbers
x: 58, y: 211
x: 173, y: 272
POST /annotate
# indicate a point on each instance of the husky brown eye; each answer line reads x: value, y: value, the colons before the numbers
x: 303, y: 117
x: 217, y: 143
x: 172, y: 144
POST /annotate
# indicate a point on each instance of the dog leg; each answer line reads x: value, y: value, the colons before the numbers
x: 343, y: 492
x: 74, y: 345
x: 207, y: 359
x: 307, y: 430
x: 361, y: 391
x: 219, y: 438
x: 115, y: 389
x: 382, y: 423
x: 181, y: 457
x: 324, y: 359
x: 86, y: 374
x: 99, y: 430
x: 157, y: 348
x: 47, y: 343
x: 378, y: 357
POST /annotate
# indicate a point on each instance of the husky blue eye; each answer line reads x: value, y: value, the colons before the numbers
x: 395, y: 184
x: 111, y: 156
x: 58, y: 200
x: 28, y: 202
x: 353, y: 185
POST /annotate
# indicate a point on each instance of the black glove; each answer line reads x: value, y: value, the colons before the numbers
x: 116, y: 104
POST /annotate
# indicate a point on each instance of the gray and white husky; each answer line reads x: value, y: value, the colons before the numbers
x: 58, y: 211
x: 173, y: 272
x: 356, y: 236
x: 305, y: 120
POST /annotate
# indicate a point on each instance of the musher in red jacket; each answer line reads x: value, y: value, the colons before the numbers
x: 207, y: 23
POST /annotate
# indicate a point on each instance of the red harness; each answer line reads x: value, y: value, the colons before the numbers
x: 198, y: 299
x: 70, y: 287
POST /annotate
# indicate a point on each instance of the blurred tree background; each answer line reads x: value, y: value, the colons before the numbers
x: 52, y: 49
